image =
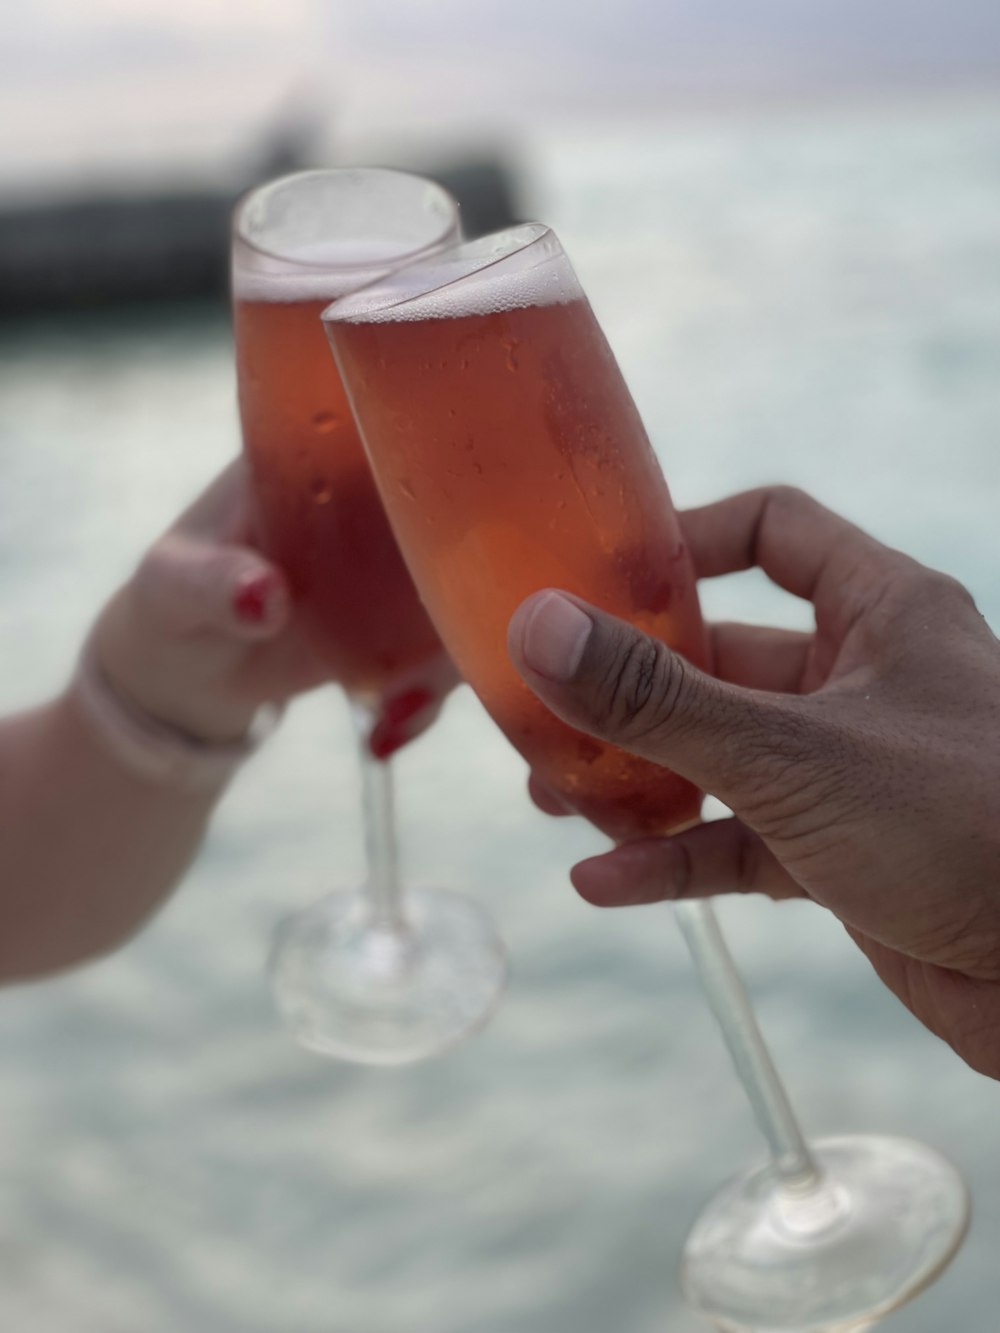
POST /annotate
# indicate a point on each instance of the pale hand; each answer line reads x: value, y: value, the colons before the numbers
x: 204, y: 632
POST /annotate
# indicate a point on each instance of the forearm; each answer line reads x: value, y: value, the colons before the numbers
x: 89, y: 849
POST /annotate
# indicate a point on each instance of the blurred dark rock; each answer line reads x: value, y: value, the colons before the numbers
x: 486, y: 191
x: 111, y: 249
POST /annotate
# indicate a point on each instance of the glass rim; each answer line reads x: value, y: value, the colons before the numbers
x: 312, y: 173
x: 338, y: 311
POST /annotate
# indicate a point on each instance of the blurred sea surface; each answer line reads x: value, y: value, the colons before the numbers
x: 811, y: 298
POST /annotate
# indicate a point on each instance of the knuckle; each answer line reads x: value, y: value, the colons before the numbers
x: 169, y: 582
x: 785, y: 498
x: 153, y: 570
x: 921, y: 587
x: 949, y: 592
x: 916, y: 597
x: 782, y: 504
x: 641, y: 686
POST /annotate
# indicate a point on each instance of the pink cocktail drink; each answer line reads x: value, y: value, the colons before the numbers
x: 510, y: 457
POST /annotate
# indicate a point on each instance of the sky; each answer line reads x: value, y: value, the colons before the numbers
x: 147, y: 82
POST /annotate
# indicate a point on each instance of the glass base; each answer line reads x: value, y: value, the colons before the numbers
x: 353, y: 988
x: 883, y: 1221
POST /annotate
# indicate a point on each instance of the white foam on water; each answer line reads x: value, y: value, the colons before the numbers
x: 523, y: 266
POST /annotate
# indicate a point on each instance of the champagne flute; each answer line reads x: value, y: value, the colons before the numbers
x: 510, y: 457
x: 375, y: 976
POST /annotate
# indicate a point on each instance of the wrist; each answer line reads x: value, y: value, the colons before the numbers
x: 180, y: 685
x: 200, y: 719
x: 152, y: 744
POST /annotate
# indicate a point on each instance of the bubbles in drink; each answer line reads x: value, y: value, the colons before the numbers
x: 588, y: 751
x: 650, y: 581
x: 469, y: 279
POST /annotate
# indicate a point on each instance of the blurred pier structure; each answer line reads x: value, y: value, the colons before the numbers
x: 80, y: 247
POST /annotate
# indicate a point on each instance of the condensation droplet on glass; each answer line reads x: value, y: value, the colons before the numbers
x: 588, y: 750
x: 406, y: 486
x: 325, y: 422
x: 321, y: 491
x: 510, y: 346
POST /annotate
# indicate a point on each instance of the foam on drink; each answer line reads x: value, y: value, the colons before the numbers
x: 523, y: 267
x: 315, y: 235
x: 318, y: 271
x: 318, y: 514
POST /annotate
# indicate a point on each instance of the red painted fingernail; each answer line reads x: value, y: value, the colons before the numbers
x: 250, y: 600
x: 404, y: 706
x: 384, y: 742
x: 391, y: 732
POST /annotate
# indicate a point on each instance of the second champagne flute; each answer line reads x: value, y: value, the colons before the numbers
x: 511, y: 458
x: 376, y: 976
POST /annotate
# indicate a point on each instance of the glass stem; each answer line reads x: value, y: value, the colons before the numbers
x: 382, y: 888
x: 795, y: 1165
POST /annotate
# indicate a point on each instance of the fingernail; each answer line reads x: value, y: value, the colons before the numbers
x: 385, y: 741
x: 555, y: 636
x: 391, y: 732
x: 402, y: 707
x: 251, y: 597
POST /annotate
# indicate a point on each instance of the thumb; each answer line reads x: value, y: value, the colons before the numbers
x: 605, y: 677
x: 190, y: 585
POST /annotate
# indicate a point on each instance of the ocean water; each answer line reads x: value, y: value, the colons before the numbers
x: 812, y: 298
